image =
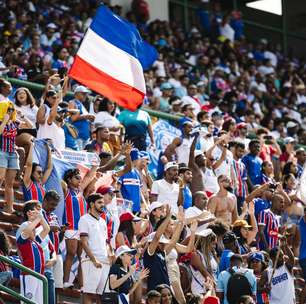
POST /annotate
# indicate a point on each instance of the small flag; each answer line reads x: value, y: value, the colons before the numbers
x: 111, y: 60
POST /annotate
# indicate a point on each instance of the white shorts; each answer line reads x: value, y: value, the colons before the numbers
x: 31, y: 288
x: 94, y: 279
x: 58, y: 272
x: 72, y: 234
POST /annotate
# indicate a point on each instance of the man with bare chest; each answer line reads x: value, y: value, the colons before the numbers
x: 224, y: 204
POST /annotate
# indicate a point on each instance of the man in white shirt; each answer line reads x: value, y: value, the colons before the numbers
x: 94, y: 258
x: 167, y: 190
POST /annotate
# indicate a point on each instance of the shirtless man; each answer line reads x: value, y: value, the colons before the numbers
x: 224, y: 204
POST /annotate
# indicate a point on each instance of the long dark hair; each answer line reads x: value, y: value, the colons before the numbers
x: 30, y: 98
x: 103, y: 106
x: 126, y: 228
x: 4, y: 243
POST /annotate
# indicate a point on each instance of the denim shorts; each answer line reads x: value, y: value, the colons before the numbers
x: 9, y: 160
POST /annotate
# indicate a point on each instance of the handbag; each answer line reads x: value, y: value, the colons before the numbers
x: 110, y: 297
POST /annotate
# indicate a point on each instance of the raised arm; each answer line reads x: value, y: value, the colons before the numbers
x: 170, y: 150
x: 191, y: 162
x: 161, y: 229
x: 252, y: 233
x: 49, y: 166
x: 28, y: 168
x: 88, y: 177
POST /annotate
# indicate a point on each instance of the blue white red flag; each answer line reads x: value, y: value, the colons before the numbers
x: 111, y: 60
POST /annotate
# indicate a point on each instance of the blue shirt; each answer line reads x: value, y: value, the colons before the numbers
x: 225, y: 259
x: 224, y: 277
x: 130, y: 188
x: 253, y: 166
x: 261, y: 204
x: 187, y: 197
x: 83, y: 126
x: 302, y: 226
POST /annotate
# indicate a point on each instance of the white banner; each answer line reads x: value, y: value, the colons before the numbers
x: 78, y: 157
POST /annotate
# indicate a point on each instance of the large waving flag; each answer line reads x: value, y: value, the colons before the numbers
x: 111, y: 60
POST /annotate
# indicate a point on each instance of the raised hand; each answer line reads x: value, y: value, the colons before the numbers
x: 127, y: 147
x: 144, y: 273
x: 181, y: 214
x: 193, y: 226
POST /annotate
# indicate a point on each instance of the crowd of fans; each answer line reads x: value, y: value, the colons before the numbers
x: 223, y: 220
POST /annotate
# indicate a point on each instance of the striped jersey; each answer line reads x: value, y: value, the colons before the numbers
x: 52, y: 220
x: 106, y: 215
x: 30, y: 251
x: 270, y: 220
x: 130, y: 188
x: 75, y: 207
x: 241, y: 175
x: 35, y: 191
x: 8, y: 137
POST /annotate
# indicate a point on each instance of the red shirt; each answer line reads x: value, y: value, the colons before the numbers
x: 267, y: 152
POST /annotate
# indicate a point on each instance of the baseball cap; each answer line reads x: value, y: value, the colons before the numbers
x: 186, y: 121
x: 135, y: 154
x: 166, y: 86
x: 98, y: 126
x: 200, y: 84
x: 162, y: 239
x: 125, y: 249
x: 291, y: 124
x: 203, y: 232
x: 128, y: 216
x: 217, y: 113
x: 197, y: 153
x: 155, y: 205
x: 258, y: 256
x: 144, y: 154
x: 211, y: 300
x: 242, y: 125
x: 229, y: 237
x: 106, y: 189
x: 51, y: 25
x: 242, y: 223
x: 171, y: 165
x: 289, y: 140
x: 81, y: 89
x: 176, y: 102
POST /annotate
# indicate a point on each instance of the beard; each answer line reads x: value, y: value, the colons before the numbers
x: 229, y: 188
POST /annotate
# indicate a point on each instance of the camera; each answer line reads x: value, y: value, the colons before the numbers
x: 272, y: 186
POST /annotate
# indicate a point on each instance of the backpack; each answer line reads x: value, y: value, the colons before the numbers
x: 238, y: 285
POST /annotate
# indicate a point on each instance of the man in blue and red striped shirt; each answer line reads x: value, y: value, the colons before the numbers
x: 269, y: 223
x: 30, y: 250
x: 241, y: 175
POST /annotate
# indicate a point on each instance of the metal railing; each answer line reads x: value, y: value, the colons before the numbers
x: 30, y: 272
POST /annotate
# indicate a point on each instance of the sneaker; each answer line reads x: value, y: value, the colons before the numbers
x: 67, y: 285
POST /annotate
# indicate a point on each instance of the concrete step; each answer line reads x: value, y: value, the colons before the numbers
x: 17, y: 206
x: 18, y: 195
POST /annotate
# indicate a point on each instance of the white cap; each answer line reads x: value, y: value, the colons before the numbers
x: 291, y: 124
x: 155, y: 205
x: 81, y: 89
x: 171, y: 165
x: 51, y: 25
x: 162, y: 239
x: 176, y: 102
x: 197, y: 153
x: 203, y: 231
x: 125, y: 249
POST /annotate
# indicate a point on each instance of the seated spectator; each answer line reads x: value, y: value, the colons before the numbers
x: 5, y: 272
x: 153, y: 297
x: 166, y: 294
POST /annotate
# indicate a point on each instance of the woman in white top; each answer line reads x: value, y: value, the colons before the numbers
x: 106, y: 117
x: 25, y: 103
x: 173, y: 233
x: 47, y: 114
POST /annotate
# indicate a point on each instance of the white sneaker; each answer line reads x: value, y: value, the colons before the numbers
x: 67, y: 285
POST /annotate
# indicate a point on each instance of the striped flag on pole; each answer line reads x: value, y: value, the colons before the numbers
x: 111, y: 60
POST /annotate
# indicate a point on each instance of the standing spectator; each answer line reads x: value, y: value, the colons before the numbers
x: 240, y: 174
x: 81, y: 120
x: 9, y: 159
x: 162, y: 103
x: 75, y: 207
x: 224, y: 204
x: 231, y: 247
x: 288, y: 153
x: 30, y: 251
x: 94, y: 258
x: 231, y: 287
x: 137, y: 126
x: 154, y: 257
x: 153, y: 297
x: 186, y: 176
x: 34, y: 178
x: 301, y: 160
x: 49, y: 204
x: 253, y: 163
x: 242, y: 130
x: 25, y: 104
x: 102, y: 141
x: 122, y: 271
x: 302, y: 253
x: 167, y: 190
x: 281, y: 280
x: 267, y: 172
x: 130, y: 184
x: 269, y: 223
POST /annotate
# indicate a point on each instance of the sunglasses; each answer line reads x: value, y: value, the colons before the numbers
x: 78, y: 177
x: 39, y: 172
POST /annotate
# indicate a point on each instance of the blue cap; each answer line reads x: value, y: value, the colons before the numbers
x: 166, y: 86
x: 144, y: 154
x: 258, y: 256
x: 135, y: 154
